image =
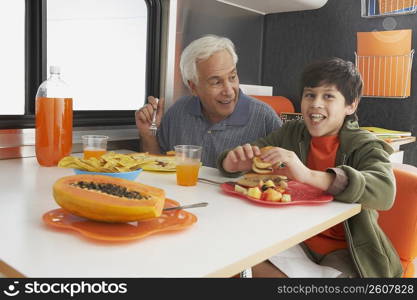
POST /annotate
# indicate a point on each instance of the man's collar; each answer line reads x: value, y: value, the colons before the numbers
x: 239, y: 117
x: 194, y: 106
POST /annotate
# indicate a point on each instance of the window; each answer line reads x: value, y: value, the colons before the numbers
x: 12, y: 58
x: 101, y: 48
x: 108, y: 51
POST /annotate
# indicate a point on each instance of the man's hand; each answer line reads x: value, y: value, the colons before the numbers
x: 240, y: 158
x: 143, y: 116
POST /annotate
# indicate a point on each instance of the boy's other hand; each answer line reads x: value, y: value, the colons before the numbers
x: 240, y: 158
x: 286, y: 163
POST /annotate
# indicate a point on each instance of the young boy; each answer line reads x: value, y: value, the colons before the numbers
x: 329, y: 151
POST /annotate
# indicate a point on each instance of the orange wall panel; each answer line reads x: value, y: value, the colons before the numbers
x: 392, y: 42
x: 389, y: 6
x: 384, y: 62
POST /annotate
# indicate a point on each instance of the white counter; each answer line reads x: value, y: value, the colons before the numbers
x: 231, y: 234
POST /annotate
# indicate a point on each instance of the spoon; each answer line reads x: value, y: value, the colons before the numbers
x: 200, y: 204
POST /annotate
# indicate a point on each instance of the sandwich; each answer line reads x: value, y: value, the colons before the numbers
x: 261, y: 171
x: 259, y: 166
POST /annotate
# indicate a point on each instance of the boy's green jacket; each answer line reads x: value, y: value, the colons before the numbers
x: 365, y: 160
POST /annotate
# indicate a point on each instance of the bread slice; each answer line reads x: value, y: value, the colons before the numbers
x: 258, y: 170
x: 259, y: 163
x: 252, y: 179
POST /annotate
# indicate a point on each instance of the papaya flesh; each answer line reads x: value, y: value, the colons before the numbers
x: 108, y: 199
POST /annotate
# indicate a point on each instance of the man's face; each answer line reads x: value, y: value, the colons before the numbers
x: 218, y: 86
x: 324, y: 110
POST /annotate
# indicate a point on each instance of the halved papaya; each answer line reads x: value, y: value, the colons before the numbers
x: 108, y: 199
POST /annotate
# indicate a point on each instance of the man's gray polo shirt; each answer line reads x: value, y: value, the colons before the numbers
x: 185, y: 124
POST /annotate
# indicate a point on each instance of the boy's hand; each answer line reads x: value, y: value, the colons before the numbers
x: 286, y: 163
x: 240, y: 158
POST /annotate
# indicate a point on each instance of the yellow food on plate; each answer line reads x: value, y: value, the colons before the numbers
x: 266, y: 191
x: 109, y: 162
x: 270, y: 183
x: 112, y: 162
x: 254, y: 192
x: 241, y: 189
x: 160, y: 163
x: 286, y: 198
x: 272, y: 195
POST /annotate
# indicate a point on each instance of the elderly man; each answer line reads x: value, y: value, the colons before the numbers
x: 218, y: 115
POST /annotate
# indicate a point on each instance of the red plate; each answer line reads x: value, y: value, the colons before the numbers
x: 300, y: 194
x: 115, y: 232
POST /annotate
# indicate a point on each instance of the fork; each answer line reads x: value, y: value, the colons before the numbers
x: 200, y: 204
x: 209, y: 181
x: 153, y: 128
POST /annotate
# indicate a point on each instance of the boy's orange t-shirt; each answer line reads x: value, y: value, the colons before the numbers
x: 322, y: 155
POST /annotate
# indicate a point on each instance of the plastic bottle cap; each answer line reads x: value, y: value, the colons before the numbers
x: 55, y: 70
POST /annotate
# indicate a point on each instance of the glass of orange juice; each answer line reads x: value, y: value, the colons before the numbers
x: 94, y: 145
x: 188, y: 159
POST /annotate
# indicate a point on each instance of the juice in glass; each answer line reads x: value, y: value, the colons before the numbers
x: 53, y: 131
x: 93, y: 153
x: 188, y: 159
x: 94, y: 145
x: 187, y: 174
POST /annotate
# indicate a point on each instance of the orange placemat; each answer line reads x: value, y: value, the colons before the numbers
x: 114, y: 232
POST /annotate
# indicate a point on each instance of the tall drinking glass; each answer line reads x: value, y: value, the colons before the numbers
x: 188, y: 159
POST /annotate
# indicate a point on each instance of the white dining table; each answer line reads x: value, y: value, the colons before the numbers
x: 230, y: 235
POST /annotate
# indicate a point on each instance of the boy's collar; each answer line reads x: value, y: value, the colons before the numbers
x: 348, y: 123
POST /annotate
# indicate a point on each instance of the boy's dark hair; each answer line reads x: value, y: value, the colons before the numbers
x: 334, y: 71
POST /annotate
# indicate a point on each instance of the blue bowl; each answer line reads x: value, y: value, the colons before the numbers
x: 125, y: 175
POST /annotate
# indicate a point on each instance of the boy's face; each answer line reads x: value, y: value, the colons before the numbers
x: 324, y: 110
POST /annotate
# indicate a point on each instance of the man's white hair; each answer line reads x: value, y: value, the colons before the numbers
x: 202, y: 49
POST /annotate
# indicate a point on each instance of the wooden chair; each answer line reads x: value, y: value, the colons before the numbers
x: 400, y: 222
x: 279, y: 103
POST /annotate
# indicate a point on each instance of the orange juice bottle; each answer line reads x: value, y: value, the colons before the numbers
x: 53, y: 125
